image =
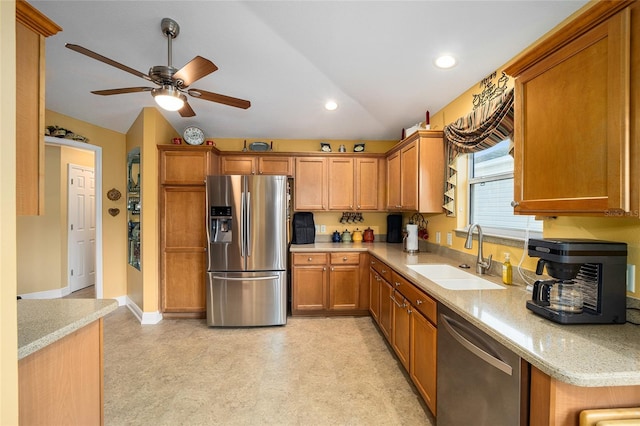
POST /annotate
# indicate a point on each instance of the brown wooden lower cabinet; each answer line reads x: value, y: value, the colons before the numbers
x: 63, y: 382
x: 407, y: 318
x: 555, y: 403
x: 330, y: 283
x: 401, y: 329
x: 183, y: 257
x: 424, y: 340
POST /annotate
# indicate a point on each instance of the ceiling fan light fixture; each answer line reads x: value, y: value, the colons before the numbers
x: 168, y: 98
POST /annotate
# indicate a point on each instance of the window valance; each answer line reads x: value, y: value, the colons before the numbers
x: 483, y: 128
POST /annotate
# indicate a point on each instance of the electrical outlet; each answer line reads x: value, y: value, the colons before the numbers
x: 317, y: 229
x: 438, y: 237
x: 631, y: 278
x: 449, y: 238
x: 323, y: 229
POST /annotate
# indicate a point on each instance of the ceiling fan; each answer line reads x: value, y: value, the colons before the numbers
x: 174, y: 83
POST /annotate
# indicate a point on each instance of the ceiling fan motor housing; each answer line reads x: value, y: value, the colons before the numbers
x: 162, y: 75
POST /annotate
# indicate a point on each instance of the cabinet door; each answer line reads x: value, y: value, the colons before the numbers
x: 423, y: 358
x: 281, y: 166
x: 401, y: 326
x: 374, y: 295
x: 183, y: 167
x: 394, y: 201
x: 183, y: 242
x: 341, y: 185
x: 344, y: 287
x: 311, y: 183
x: 309, y: 289
x: 409, y: 176
x: 571, y: 155
x: 386, y: 309
x: 237, y: 165
x: 366, y: 184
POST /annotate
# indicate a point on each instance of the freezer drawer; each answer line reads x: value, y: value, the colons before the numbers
x: 238, y: 299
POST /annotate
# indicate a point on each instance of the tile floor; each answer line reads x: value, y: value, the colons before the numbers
x: 313, y: 371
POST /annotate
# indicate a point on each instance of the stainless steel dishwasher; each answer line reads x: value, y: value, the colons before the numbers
x: 479, y: 380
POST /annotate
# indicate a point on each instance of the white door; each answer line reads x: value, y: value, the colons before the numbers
x: 82, y: 227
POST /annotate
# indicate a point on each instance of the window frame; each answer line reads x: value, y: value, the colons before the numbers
x: 518, y: 235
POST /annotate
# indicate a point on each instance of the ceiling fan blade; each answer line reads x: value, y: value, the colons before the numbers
x: 221, y: 99
x: 197, y: 68
x: 121, y: 91
x: 186, y: 110
x: 106, y: 60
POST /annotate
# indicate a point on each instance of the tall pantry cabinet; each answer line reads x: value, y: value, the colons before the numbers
x: 31, y: 29
x: 183, y: 240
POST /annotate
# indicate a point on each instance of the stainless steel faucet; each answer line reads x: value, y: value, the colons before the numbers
x: 482, y: 265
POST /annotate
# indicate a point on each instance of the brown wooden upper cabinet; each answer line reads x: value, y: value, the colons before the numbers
x: 256, y: 165
x: 415, y: 173
x: 573, y: 114
x: 342, y: 183
x: 187, y: 165
x: 31, y: 29
x: 353, y: 183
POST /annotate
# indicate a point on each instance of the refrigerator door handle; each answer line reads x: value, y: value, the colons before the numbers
x: 248, y: 222
x: 219, y: 277
x: 243, y: 223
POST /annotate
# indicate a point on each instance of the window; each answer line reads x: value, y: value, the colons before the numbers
x: 491, y: 193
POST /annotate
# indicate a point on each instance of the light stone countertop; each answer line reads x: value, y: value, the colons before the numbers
x: 581, y: 355
x: 42, y: 322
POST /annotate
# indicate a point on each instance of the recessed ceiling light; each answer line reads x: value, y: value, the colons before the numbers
x: 331, y: 105
x: 445, y: 61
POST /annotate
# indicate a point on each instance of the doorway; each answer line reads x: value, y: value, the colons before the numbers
x: 95, y: 262
x: 81, y: 220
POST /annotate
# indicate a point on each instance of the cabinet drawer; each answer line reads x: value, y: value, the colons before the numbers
x: 381, y: 268
x: 345, y: 258
x: 309, y: 259
x: 418, y: 299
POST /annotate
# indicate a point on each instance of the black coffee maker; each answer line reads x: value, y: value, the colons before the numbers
x: 589, y: 281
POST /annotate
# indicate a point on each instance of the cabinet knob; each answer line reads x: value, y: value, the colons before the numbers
x: 396, y: 283
x: 515, y: 204
x: 419, y: 302
x: 344, y: 258
x: 333, y: 269
x: 409, y: 311
x: 384, y: 271
x: 324, y: 268
x: 373, y: 262
x: 310, y: 259
x: 358, y: 207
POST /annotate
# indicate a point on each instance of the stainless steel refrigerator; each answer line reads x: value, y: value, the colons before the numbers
x: 247, y: 233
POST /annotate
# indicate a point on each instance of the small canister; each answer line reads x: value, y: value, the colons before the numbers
x: 368, y: 235
x: 346, y: 236
x: 335, y: 237
x: 356, y: 237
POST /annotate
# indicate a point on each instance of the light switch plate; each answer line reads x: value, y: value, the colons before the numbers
x: 438, y: 237
x: 323, y: 229
x: 449, y: 238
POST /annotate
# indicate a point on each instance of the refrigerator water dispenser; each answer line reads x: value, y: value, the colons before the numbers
x: 221, y: 229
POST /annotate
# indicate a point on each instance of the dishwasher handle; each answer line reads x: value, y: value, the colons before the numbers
x: 449, y: 325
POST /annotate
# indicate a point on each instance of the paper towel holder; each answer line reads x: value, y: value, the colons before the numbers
x: 410, y: 239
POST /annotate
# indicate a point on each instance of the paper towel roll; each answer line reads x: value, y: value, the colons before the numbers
x: 412, y: 237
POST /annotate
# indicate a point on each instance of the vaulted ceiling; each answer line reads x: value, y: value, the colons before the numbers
x: 374, y: 58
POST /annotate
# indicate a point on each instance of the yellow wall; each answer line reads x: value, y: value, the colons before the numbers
x: 149, y: 130
x: 38, y: 235
x: 8, y: 272
x: 302, y: 145
x: 114, y: 235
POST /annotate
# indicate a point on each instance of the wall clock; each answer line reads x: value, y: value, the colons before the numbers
x: 193, y: 135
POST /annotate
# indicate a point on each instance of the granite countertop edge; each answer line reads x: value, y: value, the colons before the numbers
x: 43, y: 322
x: 579, y: 355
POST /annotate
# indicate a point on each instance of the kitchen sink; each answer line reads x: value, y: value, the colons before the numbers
x: 453, y: 278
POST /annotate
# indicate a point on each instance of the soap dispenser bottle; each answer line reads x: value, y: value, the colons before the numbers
x: 507, y: 274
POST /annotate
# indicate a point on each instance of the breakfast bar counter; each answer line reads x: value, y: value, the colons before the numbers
x: 60, y: 360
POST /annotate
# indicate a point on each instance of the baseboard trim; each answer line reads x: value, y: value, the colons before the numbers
x: 47, y: 294
x: 145, y: 318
